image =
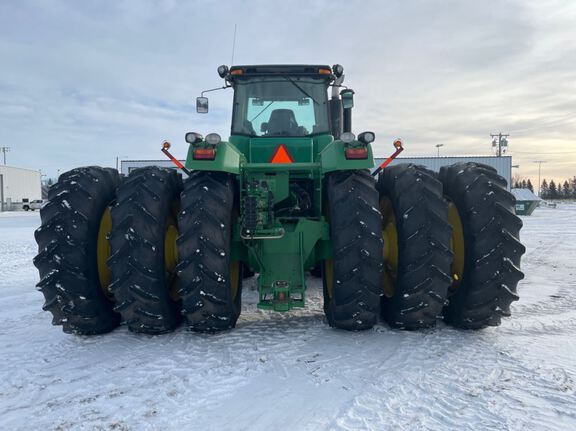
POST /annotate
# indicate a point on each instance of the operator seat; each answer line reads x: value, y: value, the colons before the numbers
x: 282, y: 122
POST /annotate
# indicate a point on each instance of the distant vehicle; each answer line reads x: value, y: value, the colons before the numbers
x: 33, y: 205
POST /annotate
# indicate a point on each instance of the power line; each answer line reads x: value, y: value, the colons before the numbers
x: 566, y: 119
x: 4, y: 151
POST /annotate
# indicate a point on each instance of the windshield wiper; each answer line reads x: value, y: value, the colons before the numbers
x: 301, y: 89
x: 266, y: 107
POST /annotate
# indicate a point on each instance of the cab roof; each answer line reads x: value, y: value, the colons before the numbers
x: 296, y: 70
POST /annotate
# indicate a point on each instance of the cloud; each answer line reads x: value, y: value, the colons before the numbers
x: 85, y: 82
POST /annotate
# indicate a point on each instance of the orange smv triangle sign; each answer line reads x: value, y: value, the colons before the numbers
x: 281, y: 155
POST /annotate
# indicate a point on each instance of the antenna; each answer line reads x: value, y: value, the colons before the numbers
x: 233, y: 46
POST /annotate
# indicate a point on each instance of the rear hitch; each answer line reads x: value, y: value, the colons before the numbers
x: 281, y: 297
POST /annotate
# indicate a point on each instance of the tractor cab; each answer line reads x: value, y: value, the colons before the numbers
x: 286, y: 102
x: 277, y: 104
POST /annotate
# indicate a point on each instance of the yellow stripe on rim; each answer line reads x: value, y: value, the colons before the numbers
x: 390, y: 238
x: 235, y: 265
x: 234, y: 277
x: 103, y: 252
x: 170, y: 249
x: 456, y: 244
x: 329, y: 276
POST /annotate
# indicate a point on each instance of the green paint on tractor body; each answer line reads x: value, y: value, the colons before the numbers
x: 281, y: 231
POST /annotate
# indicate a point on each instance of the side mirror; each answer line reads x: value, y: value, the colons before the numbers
x: 202, y: 105
x: 347, y: 98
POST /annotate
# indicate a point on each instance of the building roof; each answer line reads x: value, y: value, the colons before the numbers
x: 524, y: 195
x: 7, y: 168
x: 484, y: 156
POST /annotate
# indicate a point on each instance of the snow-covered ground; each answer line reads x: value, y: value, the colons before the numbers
x: 291, y: 371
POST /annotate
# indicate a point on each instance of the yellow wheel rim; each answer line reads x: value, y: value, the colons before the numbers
x: 234, y: 277
x: 171, y: 257
x: 390, y: 238
x: 457, y: 244
x: 103, y: 251
x: 235, y: 265
x: 329, y: 276
x: 170, y: 249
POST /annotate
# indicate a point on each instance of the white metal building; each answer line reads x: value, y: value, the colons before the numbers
x: 502, y: 164
x: 127, y: 166
x: 18, y: 185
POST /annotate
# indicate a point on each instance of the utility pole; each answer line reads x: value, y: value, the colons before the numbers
x: 118, y: 162
x: 1, y: 193
x: 4, y: 151
x: 539, y: 171
x: 502, y: 142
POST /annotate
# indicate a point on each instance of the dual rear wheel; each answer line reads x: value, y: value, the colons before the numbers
x: 148, y: 251
x: 109, y: 251
x: 449, y: 245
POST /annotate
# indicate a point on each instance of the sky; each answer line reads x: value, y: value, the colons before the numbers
x: 85, y: 82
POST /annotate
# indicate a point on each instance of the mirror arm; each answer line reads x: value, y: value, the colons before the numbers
x: 215, y: 89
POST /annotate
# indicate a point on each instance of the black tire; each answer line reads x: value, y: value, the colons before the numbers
x: 316, y: 271
x: 26, y: 208
x: 492, y: 248
x: 247, y: 272
x: 422, y: 277
x: 67, y: 251
x: 355, y: 270
x: 142, y: 287
x: 210, y: 288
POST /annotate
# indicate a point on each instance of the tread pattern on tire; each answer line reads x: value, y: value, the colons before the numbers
x: 66, y: 260
x: 355, y: 231
x: 424, y: 256
x: 140, y: 285
x: 205, y: 223
x: 492, y: 246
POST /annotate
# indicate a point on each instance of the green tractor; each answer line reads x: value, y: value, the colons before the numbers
x: 290, y: 193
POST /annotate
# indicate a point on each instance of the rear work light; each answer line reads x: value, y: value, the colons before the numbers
x: 356, y: 153
x: 204, y: 153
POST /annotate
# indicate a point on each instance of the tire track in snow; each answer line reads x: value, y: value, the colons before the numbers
x: 156, y: 373
x: 452, y: 380
x: 293, y: 371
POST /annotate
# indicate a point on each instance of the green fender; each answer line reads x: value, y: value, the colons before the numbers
x: 228, y: 159
x: 333, y: 158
